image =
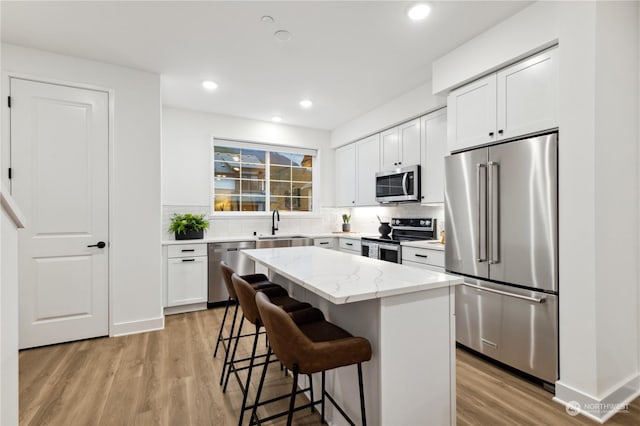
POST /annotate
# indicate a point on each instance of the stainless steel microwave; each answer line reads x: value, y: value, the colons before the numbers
x: 398, y: 185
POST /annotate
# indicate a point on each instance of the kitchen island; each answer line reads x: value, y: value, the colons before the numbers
x: 407, y: 314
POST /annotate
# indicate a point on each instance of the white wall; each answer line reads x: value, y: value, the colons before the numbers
x: 186, y: 174
x: 135, y: 256
x: 598, y: 183
x: 409, y: 105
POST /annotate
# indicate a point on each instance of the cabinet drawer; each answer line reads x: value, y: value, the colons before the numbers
x: 350, y: 244
x: 329, y: 242
x: 186, y: 280
x: 423, y: 256
x: 187, y: 250
x: 423, y: 266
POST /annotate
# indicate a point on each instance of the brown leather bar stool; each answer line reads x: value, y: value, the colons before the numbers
x: 246, y: 294
x: 257, y: 281
x: 307, y: 346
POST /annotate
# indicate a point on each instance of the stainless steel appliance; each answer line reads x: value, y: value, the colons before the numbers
x: 398, y: 185
x: 230, y: 253
x: 501, y: 213
x: 404, y: 229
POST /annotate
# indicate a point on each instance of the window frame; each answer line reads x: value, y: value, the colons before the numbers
x: 269, y: 147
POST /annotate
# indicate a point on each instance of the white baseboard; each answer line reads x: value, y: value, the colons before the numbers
x: 133, y: 327
x: 599, y: 409
x: 185, y: 308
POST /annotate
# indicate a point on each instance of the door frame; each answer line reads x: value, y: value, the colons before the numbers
x: 5, y: 156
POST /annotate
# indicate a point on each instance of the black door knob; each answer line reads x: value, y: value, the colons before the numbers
x: 100, y: 245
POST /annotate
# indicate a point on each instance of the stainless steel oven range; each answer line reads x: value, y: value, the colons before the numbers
x: 404, y: 229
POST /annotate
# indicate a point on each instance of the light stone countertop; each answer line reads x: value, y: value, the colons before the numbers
x: 234, y: 238
x: 431, y: 245
x: 344, y: 278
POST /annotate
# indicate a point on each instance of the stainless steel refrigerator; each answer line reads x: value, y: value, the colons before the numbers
x: 501, y: 219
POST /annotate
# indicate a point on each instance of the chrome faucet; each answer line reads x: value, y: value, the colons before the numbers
x: 274, y: 226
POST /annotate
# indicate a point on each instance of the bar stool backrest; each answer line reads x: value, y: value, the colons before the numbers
x: 246, y: 296
x: 287, y: 341
x: 227, y: 272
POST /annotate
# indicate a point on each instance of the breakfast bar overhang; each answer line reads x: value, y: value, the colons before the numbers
x: 406, y: 313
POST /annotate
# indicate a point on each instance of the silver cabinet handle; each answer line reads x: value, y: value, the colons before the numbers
x: 494, y: 212
x: 506, y: 293
x: 481, y: 204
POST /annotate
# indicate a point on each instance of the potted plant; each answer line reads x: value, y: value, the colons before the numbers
x: 188, y: 226
x: 346, y: 226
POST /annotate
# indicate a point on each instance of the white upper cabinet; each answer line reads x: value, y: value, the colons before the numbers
x: 400, y: 145
x: 472, y: 114
x: 346, y: 176
x: 517, y: 100
x: 434, y: 147
x: 367, y: 164
x: 527, y: 96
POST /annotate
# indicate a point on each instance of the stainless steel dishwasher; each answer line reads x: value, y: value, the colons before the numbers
x: 230, y: 253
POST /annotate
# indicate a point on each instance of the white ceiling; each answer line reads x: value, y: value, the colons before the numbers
x: 348, y: 57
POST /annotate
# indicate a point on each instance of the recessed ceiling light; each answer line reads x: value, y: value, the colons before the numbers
x: 210, y: 85
x: 282, y: 35
x: 276, y: 119
x: 306, y: 103
x: 419, y: 12
x: 267, y: 19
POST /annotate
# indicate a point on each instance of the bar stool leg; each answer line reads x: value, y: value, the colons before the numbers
x: 364, y: 415
x: 226, y: 353
x: 246, y: 386
x: 224, y: 319
x: 322, y: 400
x: 233, y: 355
x: 311, y: 391
x: 259, y: 392
x: 292, y: 402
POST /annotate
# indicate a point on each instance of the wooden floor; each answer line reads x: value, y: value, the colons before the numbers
x: 169, y: 377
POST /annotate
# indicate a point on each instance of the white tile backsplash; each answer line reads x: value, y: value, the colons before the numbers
x: 363, y: 219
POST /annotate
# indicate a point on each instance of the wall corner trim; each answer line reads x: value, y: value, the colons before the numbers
x: 134, y: 327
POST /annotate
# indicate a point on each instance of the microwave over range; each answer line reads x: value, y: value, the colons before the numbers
x: 398, y: 185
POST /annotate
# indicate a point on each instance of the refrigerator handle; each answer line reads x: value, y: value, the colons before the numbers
x: 494, y: 212
x: 506, y: 293
x: 481, y: 205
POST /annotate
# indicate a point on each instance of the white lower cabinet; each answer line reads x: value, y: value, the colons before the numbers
x: 326, y: 242
x: 432, y: 260
x: 350, y: 245
x: 186, y: 272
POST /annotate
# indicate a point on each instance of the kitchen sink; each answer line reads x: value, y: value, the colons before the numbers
x: 281, y: 237
x: 282, y: 241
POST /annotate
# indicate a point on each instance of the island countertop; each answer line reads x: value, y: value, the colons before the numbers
x: 344, y: 278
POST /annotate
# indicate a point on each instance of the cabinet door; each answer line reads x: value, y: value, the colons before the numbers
x: 409, y: 134
x: 389, y: 149
x: 434, y: 147
x: 368, y: 163
x: 527, y: 96
x: 186, y: 281
x: 472, y: 114
x: 346, y: 176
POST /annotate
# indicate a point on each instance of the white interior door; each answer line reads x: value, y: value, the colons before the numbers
x: 59, y: 159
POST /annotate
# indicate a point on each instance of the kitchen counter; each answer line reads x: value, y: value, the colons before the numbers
x: 431, y: 245
x: 406, y: 313
x: 233, y: 238
x: 344, y: 278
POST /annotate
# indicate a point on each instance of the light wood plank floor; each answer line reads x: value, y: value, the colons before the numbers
x: 169, y: 377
